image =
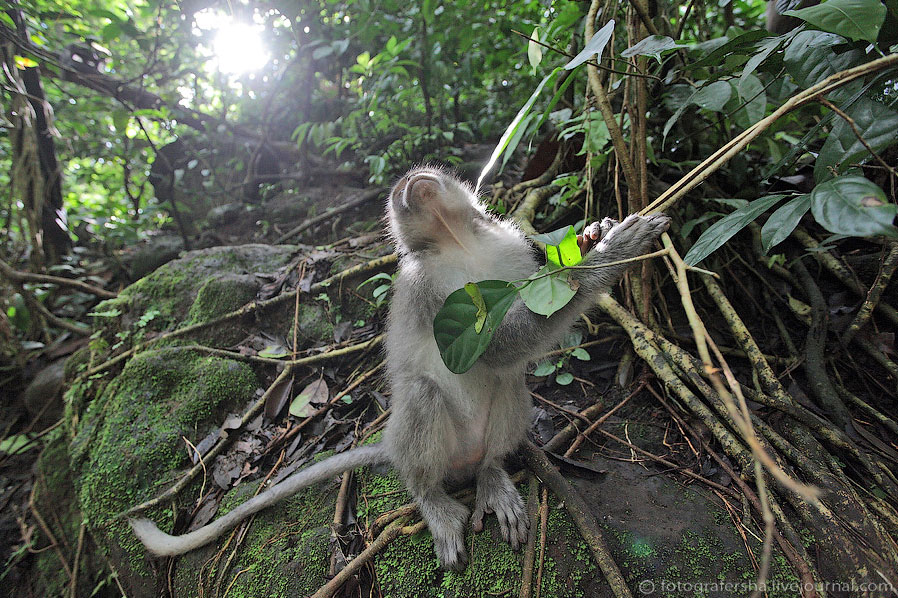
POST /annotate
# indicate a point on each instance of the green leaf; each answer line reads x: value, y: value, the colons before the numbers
x: 742, y: 44
x: 274, y: 351
x: 454, y: 330
x: 544, y: 369
x: 597, y: 133
x: 876, y: 123
x: 564, y: 378
x: 516, y: 139
x: 513, y: 126
x: 783, y: 221
x: 120, y: 119
x: 852, y: 205
x: 765, y: 49
x: 558, y: 94
x: 554, y: 237
x: 856, y: 19
x: 581, y: 354
x: 710, y: 97
x: 809, y: 58
x: 721, y: 232
x: 561, y: 246
x: 380, y: 276
x: 17, y: 443
x: 713, y: 96
x: 594, y: 47
x: 545, y: 295
x: 751, y: 92
x: 534, y: 50
x: 653, y: 45
x: 7, y: 19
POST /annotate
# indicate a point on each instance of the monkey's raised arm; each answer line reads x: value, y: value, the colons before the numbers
x: 523, y: 334
x: 162, y: 544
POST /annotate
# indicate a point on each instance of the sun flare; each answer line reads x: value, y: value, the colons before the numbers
x: 237, y: 47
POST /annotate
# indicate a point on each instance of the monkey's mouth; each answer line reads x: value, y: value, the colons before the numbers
x: 418, y: 190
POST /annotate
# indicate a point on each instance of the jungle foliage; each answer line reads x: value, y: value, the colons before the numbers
x: 775, y: 154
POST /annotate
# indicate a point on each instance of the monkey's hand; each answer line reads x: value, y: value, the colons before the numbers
x: 594, y: 233
x: 630, y: 238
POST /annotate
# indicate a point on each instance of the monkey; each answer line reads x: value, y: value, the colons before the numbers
x: 777, y: 22
x: 444, y: 427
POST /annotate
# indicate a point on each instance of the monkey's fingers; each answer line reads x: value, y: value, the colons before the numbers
x: 477, y: 516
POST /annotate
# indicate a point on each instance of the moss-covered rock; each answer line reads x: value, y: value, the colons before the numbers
x: 171, y: 295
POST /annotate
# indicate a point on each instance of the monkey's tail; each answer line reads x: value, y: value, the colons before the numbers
x: 161, y: 544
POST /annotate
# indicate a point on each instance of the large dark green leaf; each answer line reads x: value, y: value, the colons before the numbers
x: 544, y: 294
x: 856, y: 19
x: 852, y: 205
x: 455, y: 325
x: 713, y: 96
x: 764, y: 50
x: 751, y: 93
x: 721, y: 232
x: 783, y: 221
x: 809, y: 58
x: 877, y: 124
x: 741, y: 44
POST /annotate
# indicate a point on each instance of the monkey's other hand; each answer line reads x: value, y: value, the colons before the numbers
x: 497, y: 494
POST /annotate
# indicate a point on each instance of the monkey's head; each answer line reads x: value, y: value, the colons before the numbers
x: 429, y: 207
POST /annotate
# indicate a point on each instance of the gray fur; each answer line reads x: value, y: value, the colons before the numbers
x: 448, y: 426
x: 444, y: 426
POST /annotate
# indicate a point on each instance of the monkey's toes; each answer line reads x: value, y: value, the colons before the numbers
x: 451, y: 552
x: 513, y: 522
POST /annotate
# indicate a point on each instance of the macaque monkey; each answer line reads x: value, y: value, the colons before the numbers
x: 447, y: 427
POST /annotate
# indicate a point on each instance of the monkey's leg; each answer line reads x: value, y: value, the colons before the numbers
x: 421, y: 432
x: 496, y: 494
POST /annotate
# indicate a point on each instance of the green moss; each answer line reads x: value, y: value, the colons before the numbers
x: 218, y: 296
x: 129, y: 442
x: 313, y: 325
x: 569, y: 572
x: 493, y: 567
x: 285, y: 551
x: 172, y: 292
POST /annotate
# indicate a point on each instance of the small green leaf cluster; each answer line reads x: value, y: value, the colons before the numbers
x: 558, y: 366
x: 471, y: 315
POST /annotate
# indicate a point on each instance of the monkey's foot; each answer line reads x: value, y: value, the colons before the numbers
x: 496, y: 494
x: 446, y: 520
